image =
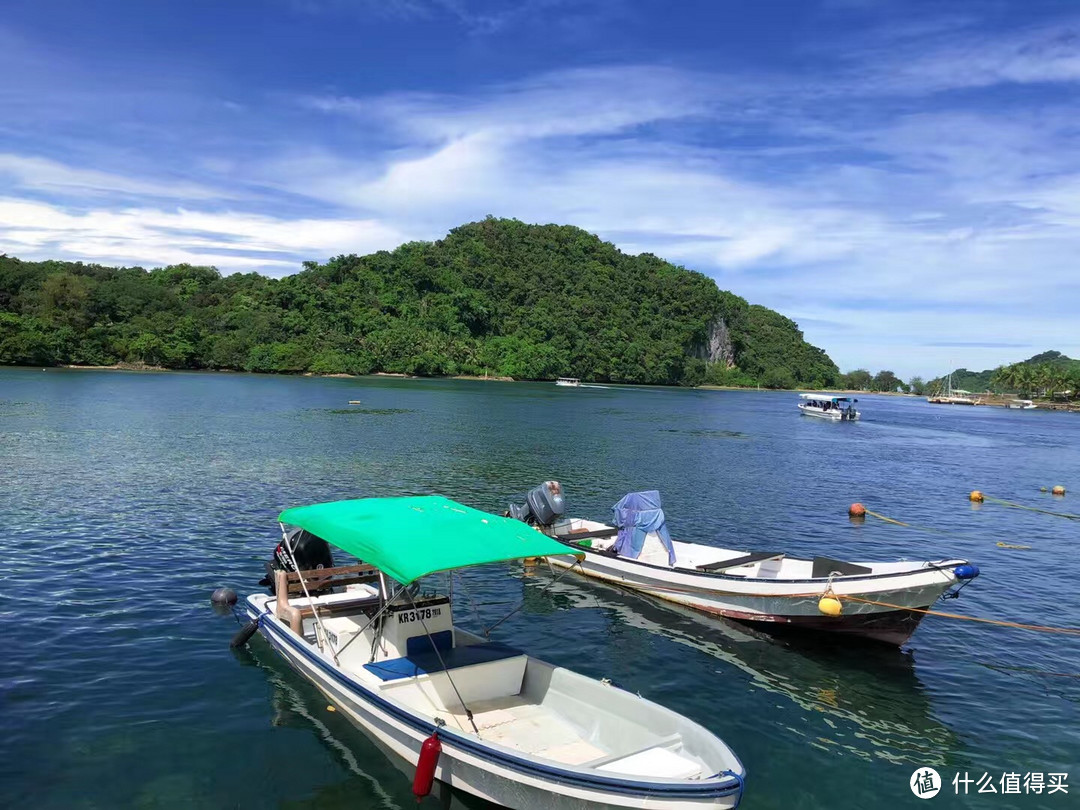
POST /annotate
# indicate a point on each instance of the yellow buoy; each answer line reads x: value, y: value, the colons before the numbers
x: 1058, y: 490
x: 830, y: 606
x: 975, y: 496
x: 331, y: 709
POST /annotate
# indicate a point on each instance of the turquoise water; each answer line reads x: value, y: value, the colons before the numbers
x: 127, y: 497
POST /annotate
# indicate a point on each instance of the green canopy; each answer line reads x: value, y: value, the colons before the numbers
x: 408, y: 538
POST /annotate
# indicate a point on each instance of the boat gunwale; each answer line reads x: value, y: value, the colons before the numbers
x: 681, y: 788
x: 939, y: 566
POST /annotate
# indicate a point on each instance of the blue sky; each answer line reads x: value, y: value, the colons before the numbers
x: 900, y: 177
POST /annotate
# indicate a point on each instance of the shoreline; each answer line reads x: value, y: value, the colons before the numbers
x: 1045, y: 405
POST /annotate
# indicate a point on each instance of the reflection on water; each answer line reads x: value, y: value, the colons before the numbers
x: 871, y: 700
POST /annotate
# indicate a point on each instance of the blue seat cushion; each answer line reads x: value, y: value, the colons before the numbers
x: 424, y: 663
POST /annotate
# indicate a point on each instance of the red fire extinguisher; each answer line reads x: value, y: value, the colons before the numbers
x: 425, y: 766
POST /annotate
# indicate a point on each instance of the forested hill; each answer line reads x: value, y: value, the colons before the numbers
x: 494, y: 297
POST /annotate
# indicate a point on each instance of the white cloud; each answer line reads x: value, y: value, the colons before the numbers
x: 153, y: 237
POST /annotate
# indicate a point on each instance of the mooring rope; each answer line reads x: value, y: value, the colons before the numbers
x: 1071, y: 631
x: 896, y: 522
x: 934, y: 530
x: 1014, y: 505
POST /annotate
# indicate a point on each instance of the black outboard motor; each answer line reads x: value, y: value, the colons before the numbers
x: 311, y: 552
x: 542, y: 505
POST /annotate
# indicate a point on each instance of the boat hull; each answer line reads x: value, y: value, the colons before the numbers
x: 791, y: 604
x: 464, y: 764
x: 832, y: 416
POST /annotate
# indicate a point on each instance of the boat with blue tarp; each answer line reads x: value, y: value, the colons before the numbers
x: 882, y: 601
x: 476, y: 715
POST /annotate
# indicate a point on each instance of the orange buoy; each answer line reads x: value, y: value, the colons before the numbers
x: 1058, y: 490
x: 975, y: 496
x: 856, y: 510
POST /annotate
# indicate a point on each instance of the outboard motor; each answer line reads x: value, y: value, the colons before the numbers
x: 542, y: 505
x: 311, y: 552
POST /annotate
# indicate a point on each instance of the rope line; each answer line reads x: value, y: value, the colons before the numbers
x: 896, y: 522
x: 1071, y: 631
x: 1014, y: 505
x: 946, y: 532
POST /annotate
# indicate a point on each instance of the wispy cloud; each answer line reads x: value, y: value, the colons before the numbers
x: 25, y: 173
x: 478, y: 17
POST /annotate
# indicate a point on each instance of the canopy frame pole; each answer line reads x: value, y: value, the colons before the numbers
x: 442, y: 663
x: 320, y: 635
x: 569, y: 568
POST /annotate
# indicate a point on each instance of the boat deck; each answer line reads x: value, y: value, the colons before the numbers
x: 698, y: 558
x: 521, y: 724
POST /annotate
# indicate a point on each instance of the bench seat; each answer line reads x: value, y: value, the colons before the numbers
x: 426, y: 663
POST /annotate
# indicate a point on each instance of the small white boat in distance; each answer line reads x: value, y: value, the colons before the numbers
x: 479, y: 716
x: 882, y: 601
x: 568, y: 382
x: 825, y: 406
x: 1020, y: 405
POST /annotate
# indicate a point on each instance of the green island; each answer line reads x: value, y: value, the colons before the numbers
x: 493, y: 298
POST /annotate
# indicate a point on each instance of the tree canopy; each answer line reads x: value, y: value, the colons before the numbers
x: 493, y: 297
x: 1046, y: 371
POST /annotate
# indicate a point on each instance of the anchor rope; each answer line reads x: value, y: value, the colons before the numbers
x: 1071, y: 631
x: 1014, y: 505
x: 945, y: 532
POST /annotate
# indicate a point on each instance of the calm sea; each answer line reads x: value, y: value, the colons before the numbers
x: 125, y: 498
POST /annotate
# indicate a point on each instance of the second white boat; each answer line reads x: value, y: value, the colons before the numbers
x: 883, y: 601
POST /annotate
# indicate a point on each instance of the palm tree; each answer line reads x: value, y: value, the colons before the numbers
x: 1056, y: 380
x: 1025, y: 379
x: 1007, y: 377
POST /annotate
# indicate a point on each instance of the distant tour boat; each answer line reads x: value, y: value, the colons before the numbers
x: 883, y: 601
x: 568, y: 382
x: 839, y: 409
x: 1020, y: 405
x: 480, y: 716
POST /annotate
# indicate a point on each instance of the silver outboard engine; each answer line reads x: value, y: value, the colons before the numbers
x: 543, y: 505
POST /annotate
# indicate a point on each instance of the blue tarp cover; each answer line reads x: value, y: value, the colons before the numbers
x: 636, y: 515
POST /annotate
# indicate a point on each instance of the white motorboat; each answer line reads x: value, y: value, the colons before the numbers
x: 875, y: 600
x: 825, y: 406
x: 568, y: 382
x: 479, y: 716
x: 1020, y: 405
